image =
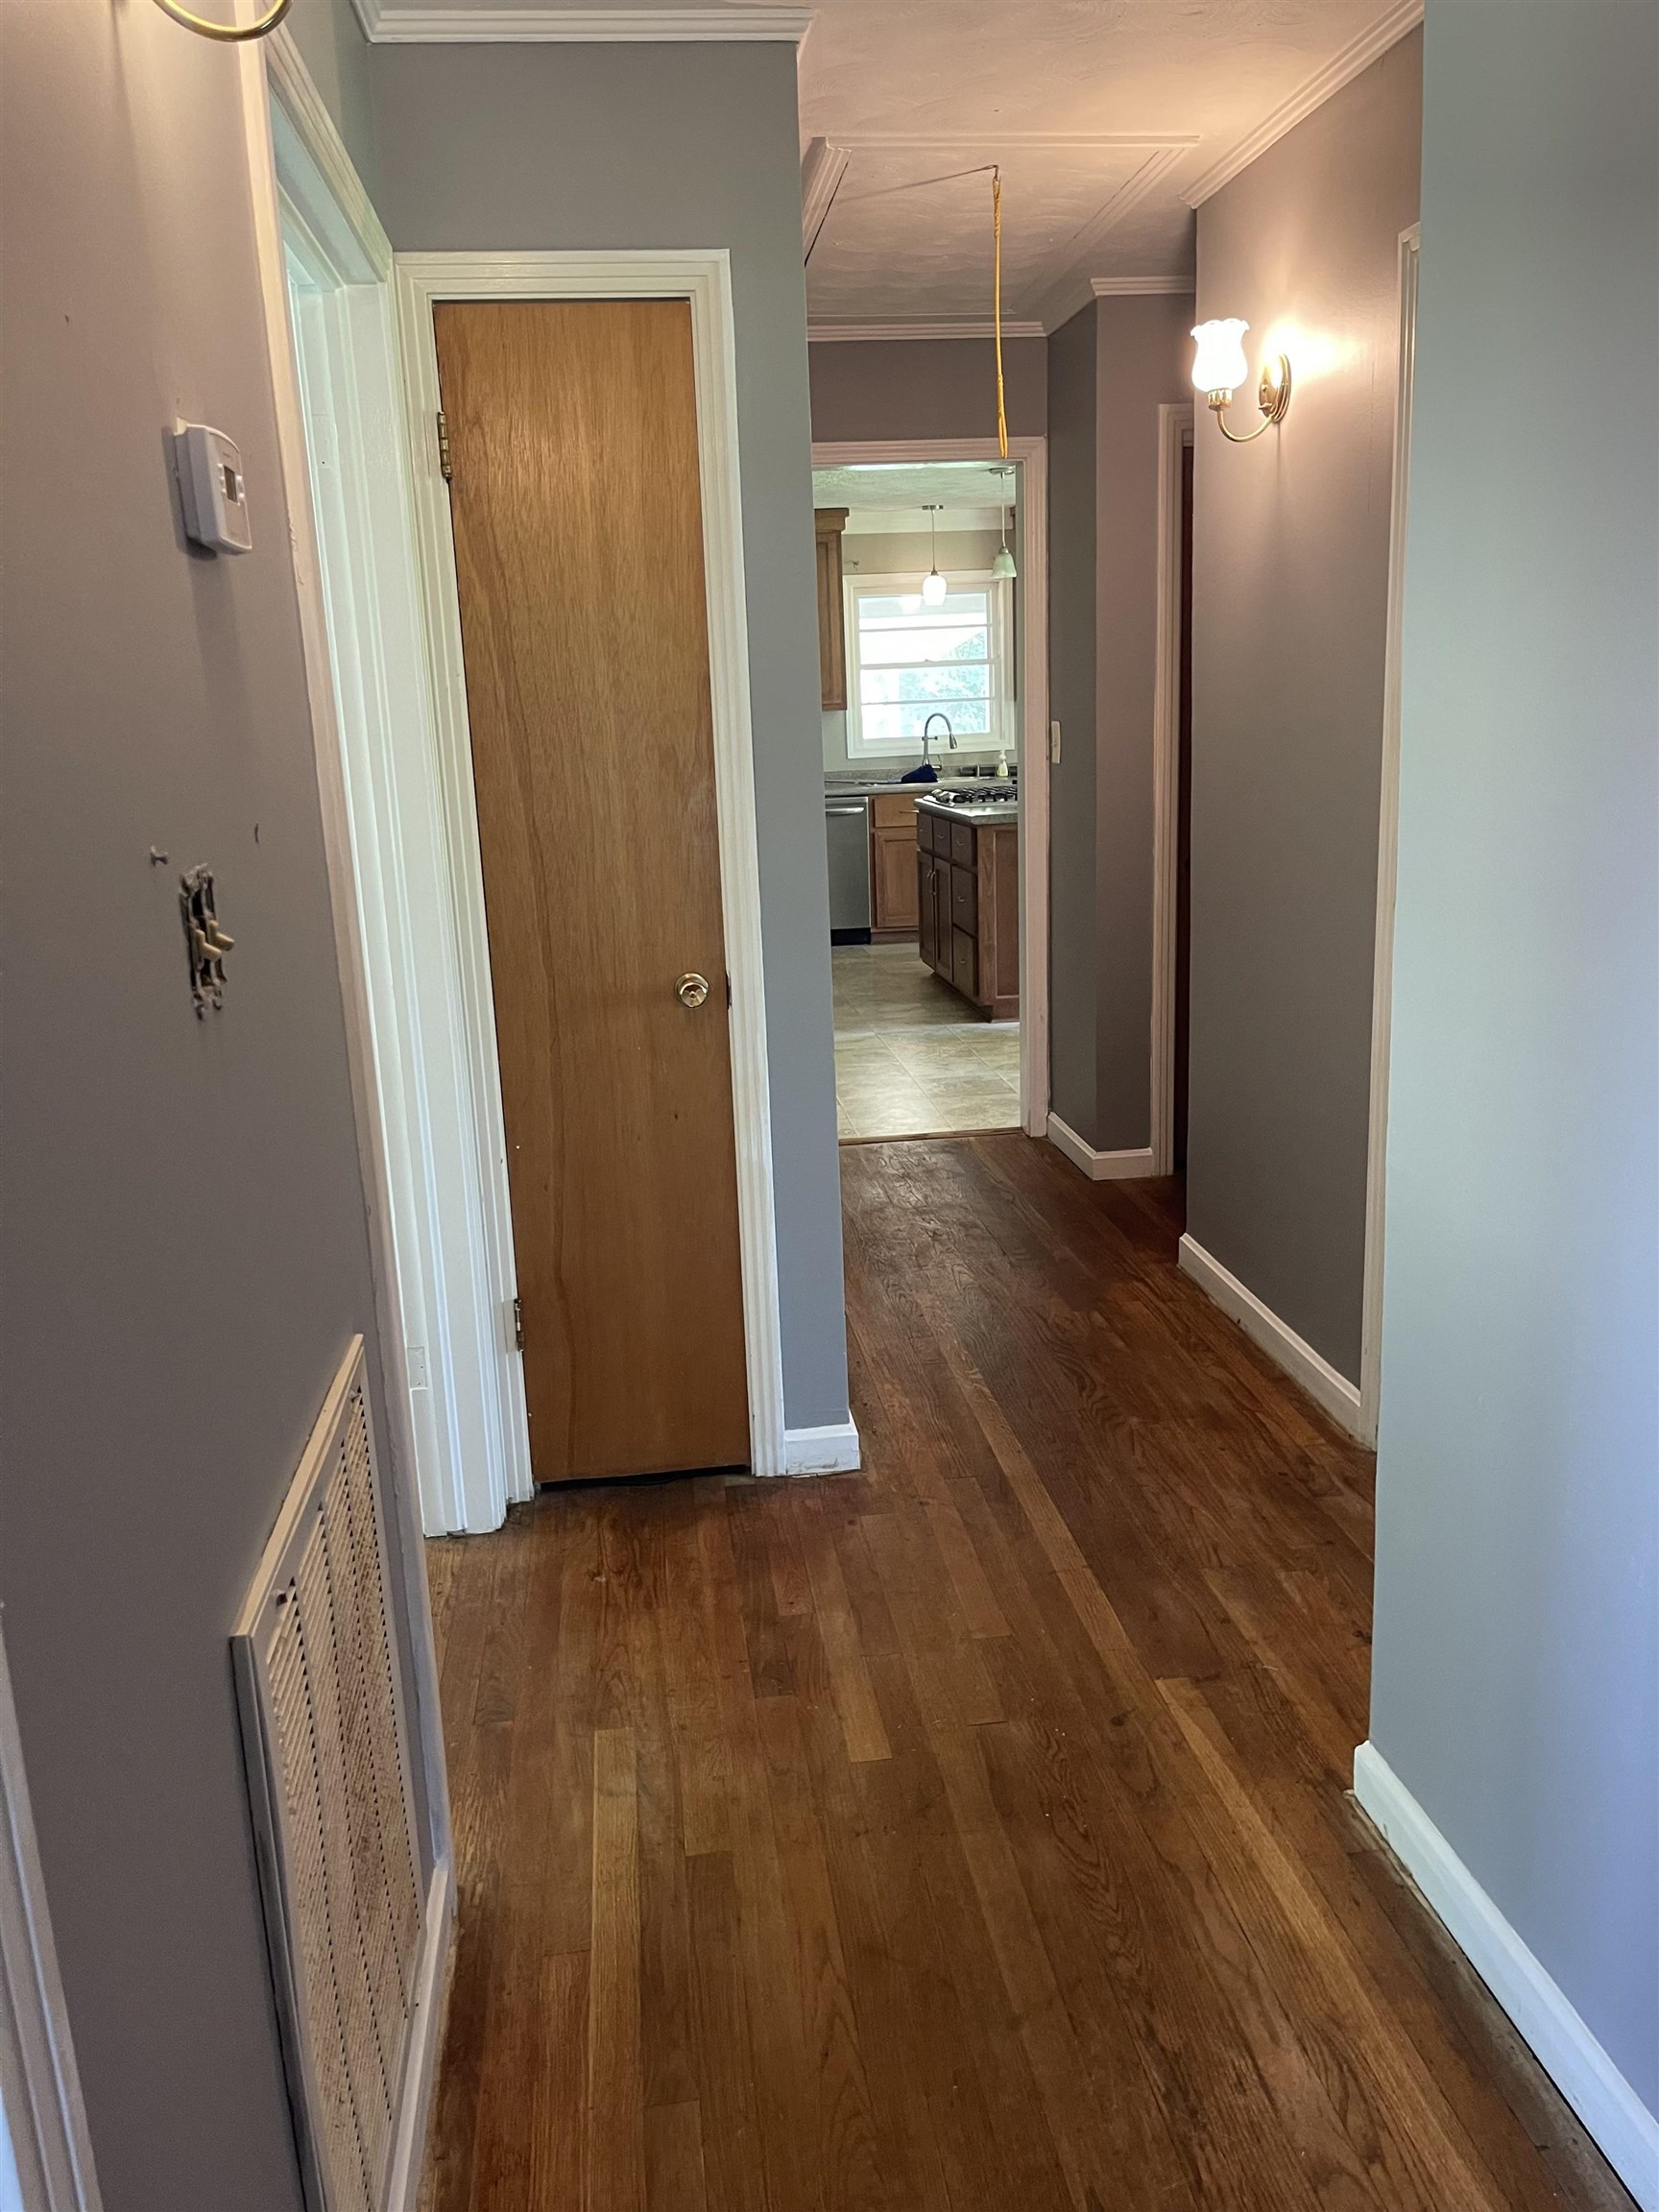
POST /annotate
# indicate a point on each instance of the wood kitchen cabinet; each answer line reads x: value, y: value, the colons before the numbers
x: 968, y: 908
x: 830, y: 522
x: 893, y: 866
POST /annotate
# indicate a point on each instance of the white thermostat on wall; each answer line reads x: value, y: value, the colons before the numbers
x: 210, y: 485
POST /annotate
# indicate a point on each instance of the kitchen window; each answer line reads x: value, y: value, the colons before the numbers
x: 906, y: 660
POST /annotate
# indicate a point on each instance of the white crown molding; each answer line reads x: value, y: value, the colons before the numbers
x: 1389, y: 28
x: 886, y: 333
x: 1055, y: 284
x: 386, y: 23
x: 823, y: 166
x: 1140, y: 287
x: 1019, y: 141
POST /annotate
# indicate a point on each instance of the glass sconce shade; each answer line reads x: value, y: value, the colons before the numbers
x: 1218, y: 364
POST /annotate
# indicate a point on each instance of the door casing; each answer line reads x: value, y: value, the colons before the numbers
x: 703, y: 279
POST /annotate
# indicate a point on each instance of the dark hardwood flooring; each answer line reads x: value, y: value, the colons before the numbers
x: 969, y: 1834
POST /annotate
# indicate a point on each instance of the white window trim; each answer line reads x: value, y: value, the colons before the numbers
x: 1005, y: 719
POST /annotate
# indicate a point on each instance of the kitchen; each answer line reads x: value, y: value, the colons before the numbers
x: 918, y: 616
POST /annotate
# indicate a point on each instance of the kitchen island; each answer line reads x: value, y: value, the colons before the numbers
x: 968, y: 891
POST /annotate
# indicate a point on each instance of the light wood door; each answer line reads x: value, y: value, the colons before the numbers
x: 579, y: 556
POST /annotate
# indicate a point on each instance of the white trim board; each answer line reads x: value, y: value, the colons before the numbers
x: 1388, y: 857
x: 1099, y: 1166
x: 893, y: 333
x: 1174, y: 435
x: 704, y: 279
x: 1546, y: 2019
x: 305, y: 111
x: 1339, y: 1397
x: 1032, y: 541
x: 393, y: 25
x: 832, y: 1450
x: 43, y: 2115
x: 1389, y: 28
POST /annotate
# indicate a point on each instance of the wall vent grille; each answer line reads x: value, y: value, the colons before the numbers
x: 333, y: 1808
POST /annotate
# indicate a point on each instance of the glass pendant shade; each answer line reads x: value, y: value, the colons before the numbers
x: 1219, y: 364
x: 1002, y: 563
x: 933, y: 588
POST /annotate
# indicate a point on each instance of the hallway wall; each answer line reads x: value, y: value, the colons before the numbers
x: 1291, y: 591
x: 1516, y: 1671
x: 1110, y: 369
x: 693, y: 145
x: 186, y: 1253
x: 925, y: 388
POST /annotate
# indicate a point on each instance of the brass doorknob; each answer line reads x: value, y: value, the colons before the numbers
x: 691, y: 990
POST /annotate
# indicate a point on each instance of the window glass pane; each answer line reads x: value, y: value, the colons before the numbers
x: 906, y: 629
x: 882, y: 725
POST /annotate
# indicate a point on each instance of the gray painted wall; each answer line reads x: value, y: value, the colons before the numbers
x: 1290, y: 569
x: 692, y: 146
x: 1110, y: 369
x: 1517, y: 1629
x: 185, y: 1253
x: 927, y: 388
x: 1073, y: 429
x: 334, y: 50
x: 1143, y: 353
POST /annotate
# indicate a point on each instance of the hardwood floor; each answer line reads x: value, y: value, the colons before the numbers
x: 969, y: 1834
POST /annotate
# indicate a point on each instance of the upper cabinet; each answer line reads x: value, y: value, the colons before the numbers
x: 830, y: 523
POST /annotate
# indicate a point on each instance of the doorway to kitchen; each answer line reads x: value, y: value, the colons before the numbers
x: 932, y: 636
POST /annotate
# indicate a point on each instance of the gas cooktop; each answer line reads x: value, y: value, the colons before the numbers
x: 985, y: 794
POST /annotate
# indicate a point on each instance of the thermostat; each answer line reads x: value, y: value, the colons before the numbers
x: 210, y: 485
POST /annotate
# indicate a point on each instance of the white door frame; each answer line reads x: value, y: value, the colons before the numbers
x: 1174, y: 432
x: 465, y: 1386
x: 1387, y: 852
x: 1033, y: 515
x: 274, y: 70
x: 42, y: 2116
x: 704, y: 279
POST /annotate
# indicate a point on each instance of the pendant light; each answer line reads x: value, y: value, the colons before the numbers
x: 933, y: 584
x: 1002, y: 566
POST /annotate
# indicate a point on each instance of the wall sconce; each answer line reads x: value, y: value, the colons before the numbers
x: 1220, y: 368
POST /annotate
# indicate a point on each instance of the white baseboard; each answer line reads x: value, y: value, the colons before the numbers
x: 1339, y: 1397
x: 1621, y: 2124
x: 425, y: 2040
x: 1099, y: 1166
x: 829, y: 1450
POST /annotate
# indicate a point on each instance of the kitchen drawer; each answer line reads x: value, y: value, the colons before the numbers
x: 964, y: 899
x: 927, y: 828
x: 965, y: 963
x: 892, y: 810
x: 961, y: 843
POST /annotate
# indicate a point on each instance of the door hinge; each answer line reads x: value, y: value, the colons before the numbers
x: 517, y: 1325
x: 444, y: 466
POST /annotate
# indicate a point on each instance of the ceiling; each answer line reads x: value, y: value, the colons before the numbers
x: 1107, y: 117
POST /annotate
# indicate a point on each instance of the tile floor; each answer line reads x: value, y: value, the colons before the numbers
x: 911, y: 1059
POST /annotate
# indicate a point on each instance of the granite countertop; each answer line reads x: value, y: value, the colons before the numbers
x: 988, y: 811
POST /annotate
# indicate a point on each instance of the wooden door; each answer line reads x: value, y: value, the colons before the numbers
x: 579, y: 556
x: 893, y: 849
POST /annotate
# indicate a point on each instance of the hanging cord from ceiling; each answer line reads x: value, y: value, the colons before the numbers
x: 996, y: 307
x: 232, y: 34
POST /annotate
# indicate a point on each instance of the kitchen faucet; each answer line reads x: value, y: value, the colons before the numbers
x: 927, y: 733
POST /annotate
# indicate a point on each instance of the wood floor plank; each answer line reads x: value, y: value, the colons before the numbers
x: 973, y: 1831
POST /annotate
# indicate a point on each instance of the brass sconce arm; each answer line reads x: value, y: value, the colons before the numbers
x: 1272, y: 397
x: 232, y: 33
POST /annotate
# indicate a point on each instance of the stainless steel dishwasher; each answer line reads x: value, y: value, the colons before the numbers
x: 846, y: 833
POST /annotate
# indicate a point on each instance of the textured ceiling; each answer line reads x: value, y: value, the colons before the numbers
x: 1102, y: 113
x: 956, y: 483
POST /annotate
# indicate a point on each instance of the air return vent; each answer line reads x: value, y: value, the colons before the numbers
x: 334, y: 1809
